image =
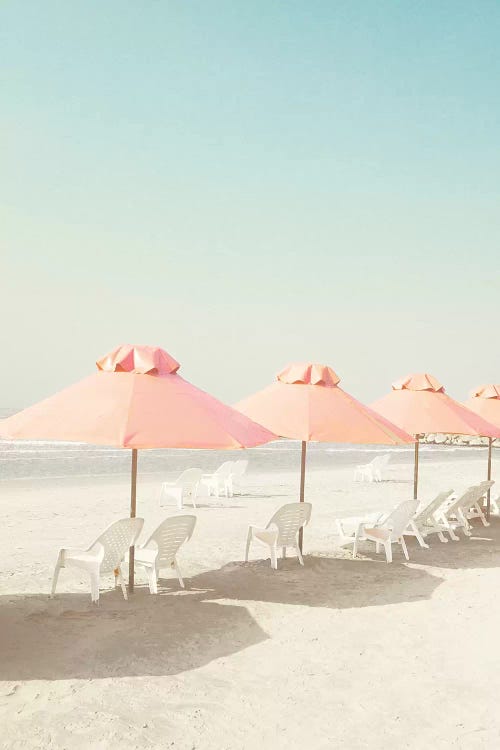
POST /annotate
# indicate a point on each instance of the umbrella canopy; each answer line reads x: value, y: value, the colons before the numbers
x: 136, y: 399
x: 306, y: 403
x: 485, y: 401
x: 418, y: 404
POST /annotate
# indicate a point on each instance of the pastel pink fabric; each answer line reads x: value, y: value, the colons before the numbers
x: 485, y: 401
x: 306, y: 403
x: 136, y: 399
x: 419, y: 405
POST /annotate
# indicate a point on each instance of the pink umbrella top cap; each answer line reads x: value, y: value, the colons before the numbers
x: 420, y: 381
x: 140, y: 360
x: 486, y: 391
x: 305, y: 373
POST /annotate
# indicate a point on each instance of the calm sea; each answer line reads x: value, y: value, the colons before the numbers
x: 24, y: 459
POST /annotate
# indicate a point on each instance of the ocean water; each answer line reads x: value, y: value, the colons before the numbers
x: 26, y: 459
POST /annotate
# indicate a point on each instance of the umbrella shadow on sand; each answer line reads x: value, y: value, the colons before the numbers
x: 480, y: 550
x: 69, y: 638
x: 323, y: 582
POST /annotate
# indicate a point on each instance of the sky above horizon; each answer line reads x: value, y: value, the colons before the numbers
x: 249, y: 184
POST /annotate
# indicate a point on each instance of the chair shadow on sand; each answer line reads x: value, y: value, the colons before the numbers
x: 174, y: 632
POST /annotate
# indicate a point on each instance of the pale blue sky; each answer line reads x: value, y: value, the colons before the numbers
x: 250, y: 183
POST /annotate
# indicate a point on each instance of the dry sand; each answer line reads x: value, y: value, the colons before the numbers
x: 340, y: 654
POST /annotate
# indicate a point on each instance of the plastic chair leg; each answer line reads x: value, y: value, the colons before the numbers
x: 120, y: 580
x: 405, y: 550
x: 388, y: 551
x: 94, y: 587
x: 55, y: 577
x: 299, y: 554
x: 274, y: 557
x: 177, y: 570
x: 418, y: 535
x: 249, y: 541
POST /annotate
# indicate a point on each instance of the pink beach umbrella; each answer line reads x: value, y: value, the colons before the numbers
x: 485, y: 401
x: 418, y: 404
x: 136, y: 399
x: 306, y: 403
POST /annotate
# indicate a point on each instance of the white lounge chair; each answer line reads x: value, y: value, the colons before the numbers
x: 281, y: 531
x: 185, y: 486
x: 238, y: 470
x: 372, y: 471
x: 452, y: 514
x: 389, y: 532
x: 161, y: 549
x: 219, y: 480
x: 105, y: 555
x: 424, y: 522
x: 471, y: 506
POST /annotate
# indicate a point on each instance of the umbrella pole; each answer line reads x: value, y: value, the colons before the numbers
x: 415, y: 469
x: 488, y: 496
x: 133, y: 497
x: 302, y: 485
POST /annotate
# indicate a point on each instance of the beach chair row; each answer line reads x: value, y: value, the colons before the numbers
x: 444, y: 515
x: 107, y: 554
x: 189, y: 483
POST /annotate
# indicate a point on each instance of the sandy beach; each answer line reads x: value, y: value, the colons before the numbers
x: 340, y: 653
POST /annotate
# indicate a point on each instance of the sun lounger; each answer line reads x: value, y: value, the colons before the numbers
x: 474, y: 510
x: 424, y: 522
x: 453, y: 514
x: 390, y: 531
x: 281, y: 531
x: 160, y: 551
x: 105, y: 555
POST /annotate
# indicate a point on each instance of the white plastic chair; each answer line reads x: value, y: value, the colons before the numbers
x: 467, y: 507
x: 372, y: 471
x: 219, y: 480
x: 238, y: 470
x: 186, y: 485
x: 390, y: 532
x: 456, y: 513
x: 424, y: 522
x: 476, y: 510
x: 281, y: 531
x: 104, y: 556
x: 162, y: 546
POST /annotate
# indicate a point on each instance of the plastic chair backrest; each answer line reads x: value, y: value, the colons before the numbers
x: 116, y: 540
x: 384, y: 460
x: 427, y: 513
x: 170, y: 535
x: 189, y: 478
x: 289, y: 519
x: 486, y: 485
x: 465, y: 498
x: 240, y: 467
x: 400, y: 517
x: 224, y: 469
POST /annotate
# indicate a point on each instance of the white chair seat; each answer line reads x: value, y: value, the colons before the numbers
x: 145, y: 555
